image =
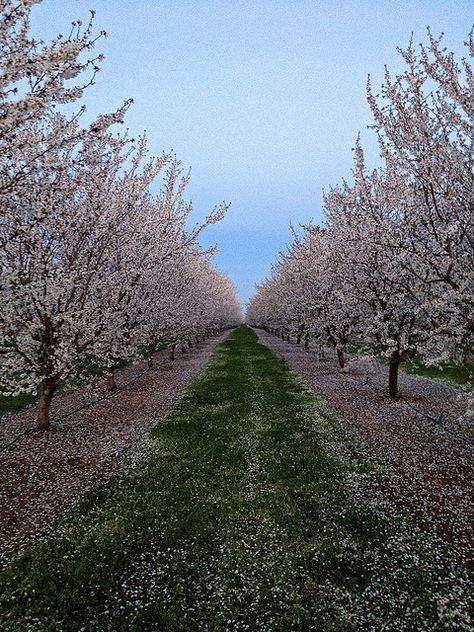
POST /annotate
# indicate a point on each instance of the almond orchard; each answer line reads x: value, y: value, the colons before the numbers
x: 391, y: 269
x: 94, y: 267
x: 171, y: 463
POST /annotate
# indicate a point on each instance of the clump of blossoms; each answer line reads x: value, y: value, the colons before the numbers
x: 392, y: 267
x: 93, y: 267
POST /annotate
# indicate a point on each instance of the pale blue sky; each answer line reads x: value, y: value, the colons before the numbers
x: 262, y: 99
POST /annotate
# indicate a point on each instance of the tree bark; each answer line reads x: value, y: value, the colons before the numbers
x: 111, y: 379
x: 340, y: 357
x: 393, y: 374
x: 49, y: 386
x: 172, y: 351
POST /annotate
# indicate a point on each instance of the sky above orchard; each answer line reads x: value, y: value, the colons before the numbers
x: 263, y: 99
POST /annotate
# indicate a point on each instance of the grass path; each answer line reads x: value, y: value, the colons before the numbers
x: 242, y: 512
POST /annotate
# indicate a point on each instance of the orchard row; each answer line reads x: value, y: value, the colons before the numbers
x: 391, y: 269
x: 95, y: 268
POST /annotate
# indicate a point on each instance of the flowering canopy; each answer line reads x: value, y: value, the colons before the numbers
x: 392, y: 268
x: 93, y: 267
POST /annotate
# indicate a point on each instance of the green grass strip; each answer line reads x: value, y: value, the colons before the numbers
x: 454, y: 374
x: 242, y: 512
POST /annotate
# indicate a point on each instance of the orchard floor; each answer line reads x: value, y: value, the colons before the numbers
x: 429, y: 468
x: 245, y: 509
x: 43, y: 474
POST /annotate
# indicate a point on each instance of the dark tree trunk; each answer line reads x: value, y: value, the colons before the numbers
x: 111, y: 379
x: 150, y: 363
x: 288, y: 338
x: 340, y: 357
x: 298, y: 339
x: 393, y: 374
x: 173, y: 351
x: 49, y: 386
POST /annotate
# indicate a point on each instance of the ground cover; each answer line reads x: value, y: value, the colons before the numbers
x: 244, y: 511
x: 456, y: 374
x: 428, y: 465
x: 12, y: 404
x: 93, y: 430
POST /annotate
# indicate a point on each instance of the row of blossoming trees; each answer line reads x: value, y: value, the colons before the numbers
x: 391, y: 269
x: 94, y: 267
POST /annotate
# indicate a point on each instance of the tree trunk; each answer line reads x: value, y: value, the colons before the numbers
x: 288, y: 338
x: 393, y: 374
x: 298, y: 339
x: 173, y: 351
x: 111, y: 379
x: 49, y: 386
x: 340, y: 357
x: 150, y: 363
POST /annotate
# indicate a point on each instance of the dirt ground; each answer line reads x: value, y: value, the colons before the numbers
x: 43, y: 474
x: 429, y: 466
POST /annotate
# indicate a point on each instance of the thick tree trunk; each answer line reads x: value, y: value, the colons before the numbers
x: 340, y: 357
x: 393, y: 374
x: 49, y: 386
x: 111, y: 379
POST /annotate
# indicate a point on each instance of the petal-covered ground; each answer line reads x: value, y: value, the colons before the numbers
x: 430, y: 467
x: 44, y: 473
x: 244, y: 510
